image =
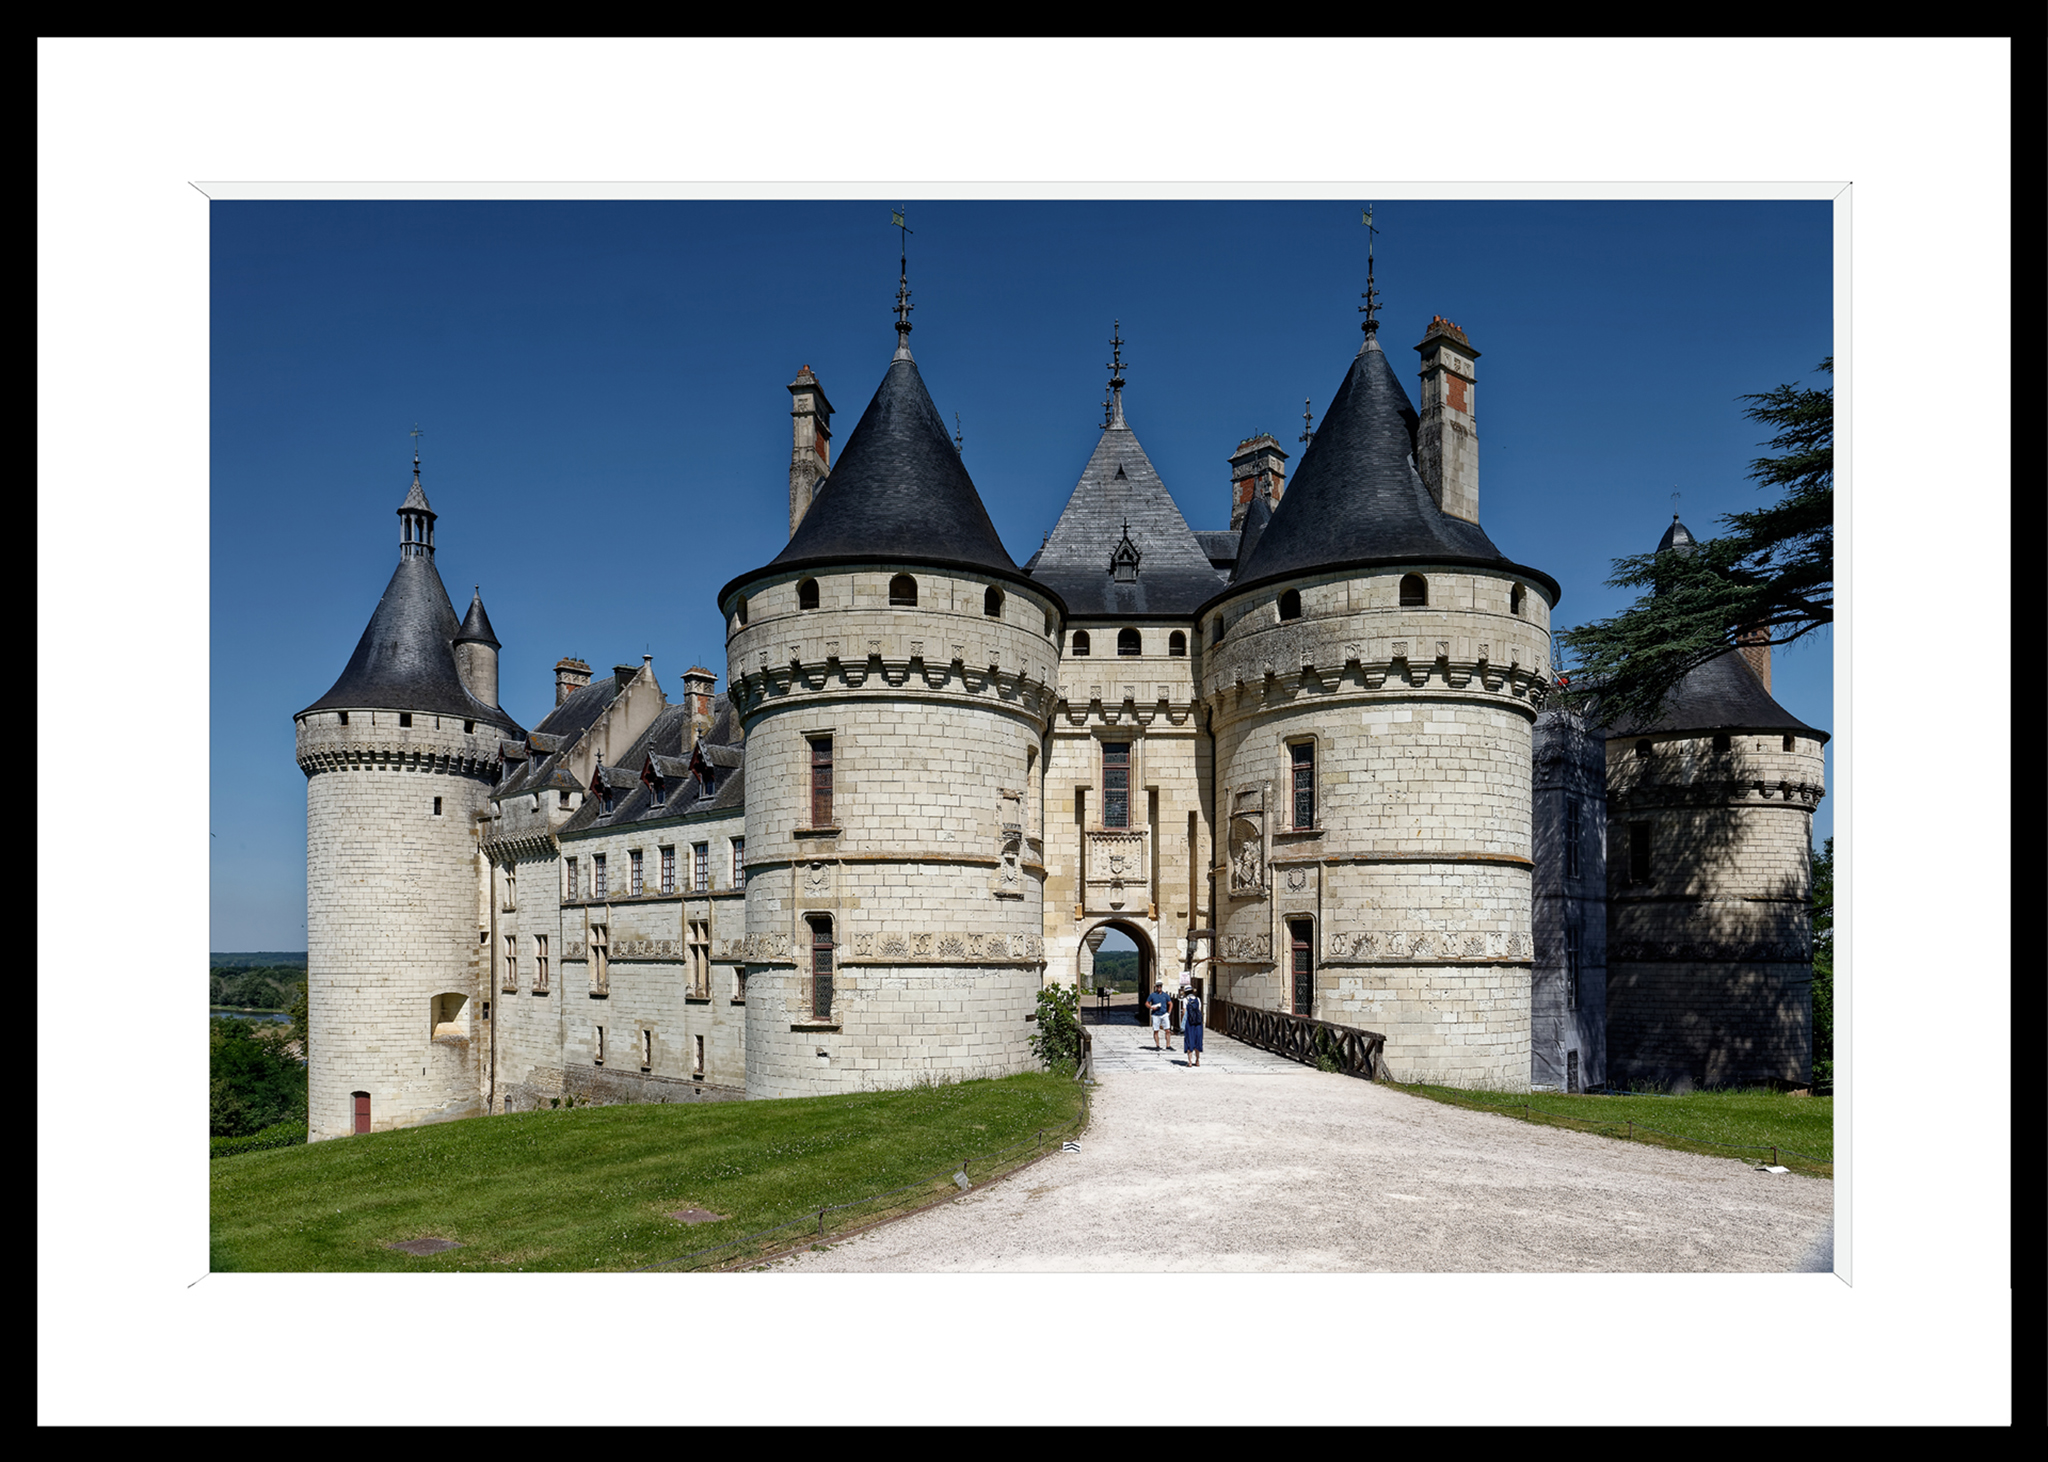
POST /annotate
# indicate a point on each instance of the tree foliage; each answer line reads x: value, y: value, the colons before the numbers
x: 1057, y: 1040
x: 1823, y: 905
x: 1770, y: 571
x: 254, y: 1083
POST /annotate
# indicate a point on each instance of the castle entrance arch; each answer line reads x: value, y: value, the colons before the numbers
x: 1090, y: 978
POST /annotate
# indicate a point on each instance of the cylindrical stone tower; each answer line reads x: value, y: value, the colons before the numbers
x: 399, y: 758
x: 1371, y: 677
x: 894, y: 670
x: 1710, y: 839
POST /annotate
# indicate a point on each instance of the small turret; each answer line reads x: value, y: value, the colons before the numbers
x: 476, y: 652
x: 415, y: 519
x: 1257, y: 470
x: 571, y: 675
x: 810, y: 453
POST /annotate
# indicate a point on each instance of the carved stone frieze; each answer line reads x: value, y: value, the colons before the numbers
x: 1247, y: 947
x: 1400, y: 945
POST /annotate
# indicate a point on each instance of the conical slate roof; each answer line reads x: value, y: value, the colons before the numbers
x: 1677, y: 536
x: 1722, y: 695
x: 899, y: 492
x: 1357, y: 498
x: 476, y: 625
x: 1256, y: 517
x: 405, y: 660
x: 1120, y: 486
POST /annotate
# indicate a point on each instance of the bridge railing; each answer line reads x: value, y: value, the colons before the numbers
x: 1301, y: 1038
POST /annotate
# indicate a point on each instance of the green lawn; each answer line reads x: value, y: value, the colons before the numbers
x: 1738, y: 1124
x: 590, y: 1188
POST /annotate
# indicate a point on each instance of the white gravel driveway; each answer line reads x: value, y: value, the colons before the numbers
x: 1252, y: 1163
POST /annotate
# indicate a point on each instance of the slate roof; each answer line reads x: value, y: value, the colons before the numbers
x: 899, y: 492
x: 1357, y: 499
x: 666, y: 740
x: 1722, y: 695
x: 1221, y: 546
x: 405, y: 660
x: 1677, y: 536
x: 476, y: 625
x: 580, y: 711
x: 1120, y: 485
x: 1256, y: 518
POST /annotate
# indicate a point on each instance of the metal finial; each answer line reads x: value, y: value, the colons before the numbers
x: 415, y: 434
x: 1113, y: 405
x: 1307, y: 432
x: 903, y: 304
x: 1370, y: 309
x: 1674, y: 507
x: 958, y: 445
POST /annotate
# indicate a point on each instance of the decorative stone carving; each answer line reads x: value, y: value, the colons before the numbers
x: 863, y: 945
x: 894, y: 946
x: 921, y: 945
x: 817, y: 878
x: 1297, y: 879
x: 951, y: 946
x: 1247, y: 947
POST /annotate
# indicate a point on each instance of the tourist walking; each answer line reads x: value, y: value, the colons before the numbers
x: 1159, y: 1002
x: 1191, y: 1027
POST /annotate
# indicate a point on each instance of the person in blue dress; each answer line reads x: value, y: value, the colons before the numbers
x: 1191, y: 1026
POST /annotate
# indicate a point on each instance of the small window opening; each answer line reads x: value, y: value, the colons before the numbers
x: 647, y: 1050
x: 1177, y: 644
x: 562, y: 797
x: 344, y: 718
x: 1049, y: 627
x: 1414, y: 591
x: 1791, y: 743
x: 469, y: 726
x: 1216, y: 630
x: 1639, y: 852
x: 597, y: 1045
x: 1128, y: 642
x: 807, y: 594
x: 1642, y: 748
x: 1303, y: 756
x: 1515, y: 598
x: 405, y: 718
x: 1723, y: 743
x: 821, y: 781
x: 1080, y: 642
x: 903, y: 590
x: 821, y: 967
x: 437, y: 807
x: 699, y: 1069
x: 739, y: 611
x: 1290, y: 605
x: 992, y: 603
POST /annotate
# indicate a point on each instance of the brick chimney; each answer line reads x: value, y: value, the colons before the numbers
x: 699, y: 688
x: 571, y: 675
x: 1258, y: 465
x: 810, y: 452
x: 1447, y: 441
x: 1756, y: 649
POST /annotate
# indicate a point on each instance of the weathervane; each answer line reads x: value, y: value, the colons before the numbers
x: 958, y: 446
x: 1370, y: 308
x: 903, y: 304
x: 1113, y: 404
x: 415, y: 434
x: 1674, y: 507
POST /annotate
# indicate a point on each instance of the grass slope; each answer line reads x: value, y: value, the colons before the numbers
x: 1738, y: 1124
x: 591, y: 1188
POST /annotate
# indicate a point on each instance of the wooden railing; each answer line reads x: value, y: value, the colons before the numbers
x: 1299, y: 1038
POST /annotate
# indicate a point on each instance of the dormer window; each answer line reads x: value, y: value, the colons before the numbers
x: 1123, y: 561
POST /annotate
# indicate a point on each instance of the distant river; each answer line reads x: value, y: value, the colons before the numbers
x: 250, y: 1014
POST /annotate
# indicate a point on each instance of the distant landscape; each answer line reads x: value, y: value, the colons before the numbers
x: 255, y: 980
x: 1117, y: 968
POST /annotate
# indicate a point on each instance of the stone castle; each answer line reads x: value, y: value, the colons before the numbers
x: 1303, y: 759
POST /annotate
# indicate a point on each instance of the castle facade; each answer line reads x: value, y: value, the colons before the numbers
x: 1303, y: 759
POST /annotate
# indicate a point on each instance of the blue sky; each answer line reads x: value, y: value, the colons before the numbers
x: 601, y: 387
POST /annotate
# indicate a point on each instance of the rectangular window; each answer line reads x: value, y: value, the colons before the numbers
x: 739, y: 862
x: 821, y: 968
x: 1639, y: 852
x: 821, y: 781
x: 699, y: 1069
x: 701, y: 866
x: 1116, y: 784
x: 569, y: 877
x: 437, y: 807
x: 1572, y: 835
x: 511, y: 962
x: 699, y: 950
x: 600, y: 961
x: 597, y: 1044
x: 1303, y: 755
x: 668, y: 870
x: 562, y: 798
x: 597, y: 880
x: 1302, y: 933
x: 540, y: 961
x: 1571, y: 966
x: 638, y: 887
x: 647, y: 1050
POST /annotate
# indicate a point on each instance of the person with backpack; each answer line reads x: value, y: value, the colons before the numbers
x: 1191, y: 1026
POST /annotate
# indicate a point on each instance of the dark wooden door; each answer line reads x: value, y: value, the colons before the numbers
x: 362, y: 1111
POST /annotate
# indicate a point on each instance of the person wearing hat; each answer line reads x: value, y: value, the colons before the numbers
x: 1159, y: 1002
x: 1191, y: 1025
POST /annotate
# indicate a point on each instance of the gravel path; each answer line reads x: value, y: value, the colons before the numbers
x: 1254, y: 1164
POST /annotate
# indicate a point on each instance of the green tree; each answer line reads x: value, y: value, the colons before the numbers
x: 252, y: 1083
x: 1824, y: 963
x: 1772, y: 570
x: 1057, y: 1041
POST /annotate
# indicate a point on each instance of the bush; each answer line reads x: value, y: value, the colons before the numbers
x: 253, y: 1084
x: 1057, y: 1041
x: 284, y: 1134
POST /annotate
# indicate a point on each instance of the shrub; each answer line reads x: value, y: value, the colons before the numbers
x: 253, y: 1085
x: 1057, y: 1041
x: 284, y: 1134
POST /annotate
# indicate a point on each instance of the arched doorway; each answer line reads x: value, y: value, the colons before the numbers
x: 1109, y: 949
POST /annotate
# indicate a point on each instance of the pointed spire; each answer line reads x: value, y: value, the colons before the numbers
x: 476, y: 625
x: 1113, y: 406
x: 1307, y: 428
x: 903, y: 304
x: 959, y: 444
x: 415, y: 518
x: 1370, y: 309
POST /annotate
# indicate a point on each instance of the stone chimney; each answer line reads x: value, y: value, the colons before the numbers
x: 810, y: 453
x: 699, y: 688
x: 1257, y: 466
x: 1447, y: 441
x: 571, y: 675
x: 1756, y: 650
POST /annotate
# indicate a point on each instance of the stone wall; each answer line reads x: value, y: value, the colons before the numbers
x: 1568, y: 1019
